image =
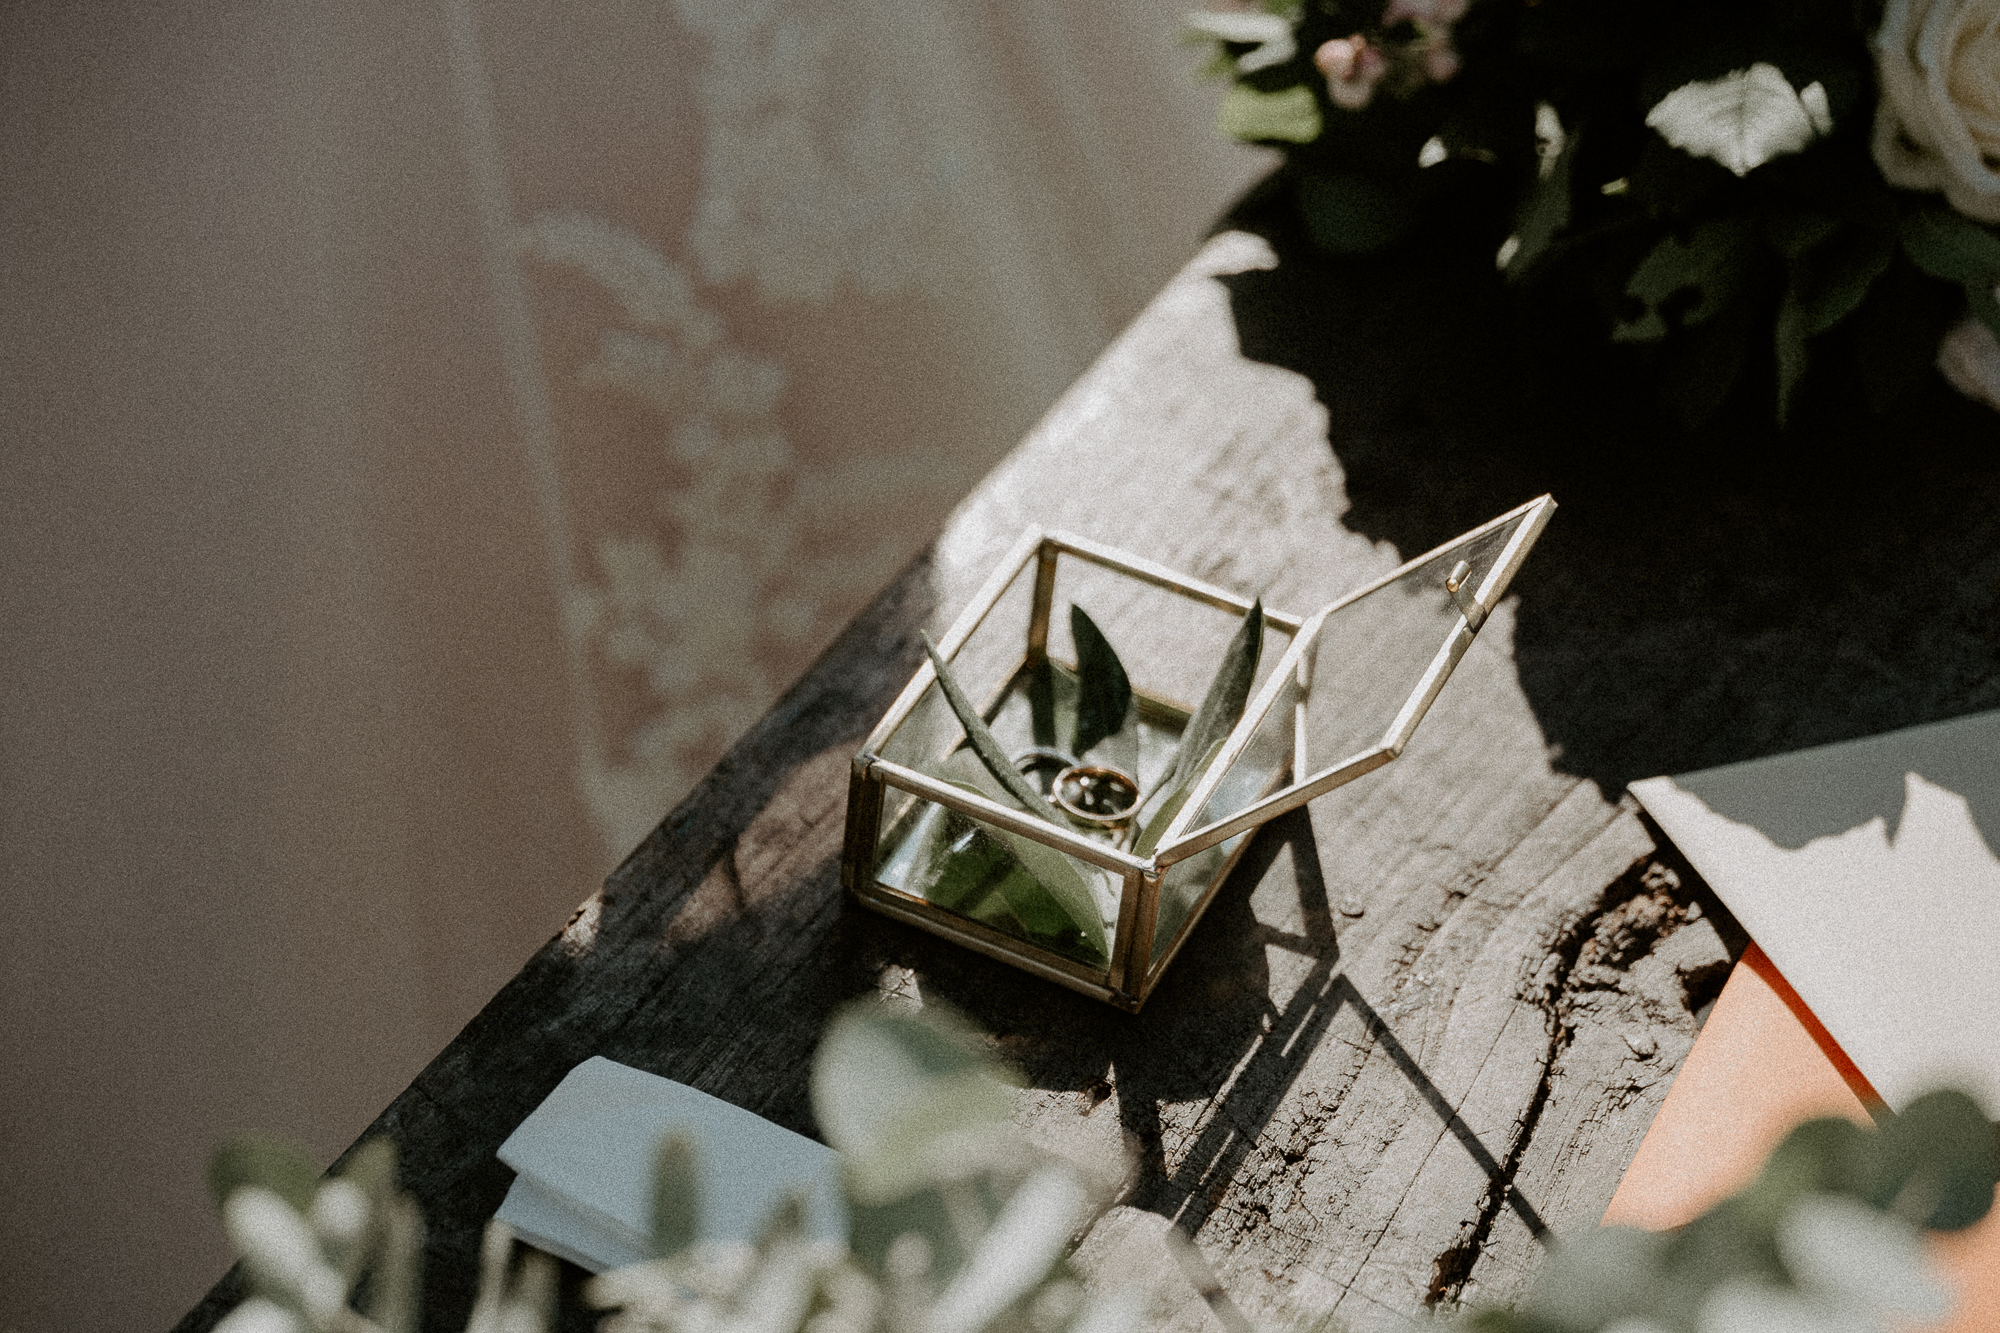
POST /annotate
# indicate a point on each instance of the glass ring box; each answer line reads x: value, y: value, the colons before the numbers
x: 1134, y: 727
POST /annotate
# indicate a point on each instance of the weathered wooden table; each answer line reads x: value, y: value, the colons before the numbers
x: 1357, y: 1111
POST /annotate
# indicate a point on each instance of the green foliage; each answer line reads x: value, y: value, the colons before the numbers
x: 895, y: 1091
x: 313, y: 1249
x: 278, y: 1165
x: 1018, y: 884
x: 1825, y: 1236
x: 1222, y: 705
x: 1173, y: 796
x: 1713, y: 205
x: 1951, y: 246
x: 956, y: 1222
x: 1220, y: 710
x: 1710, y: 265
x: 676, y: 1196
x: 1351, y: 213
x: 1043, y: 890
x: 1743, y: 119
x: 980, y: 737
x: 1287, y: 115
x: 1104, y: 696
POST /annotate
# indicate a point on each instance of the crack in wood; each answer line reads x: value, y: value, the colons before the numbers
x: 1636, y: 913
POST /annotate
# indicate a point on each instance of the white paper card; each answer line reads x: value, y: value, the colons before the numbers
x: 584, y: 1167
x: 1867, y: 871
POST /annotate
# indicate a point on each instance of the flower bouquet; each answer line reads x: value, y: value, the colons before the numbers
x: 1733, y: 190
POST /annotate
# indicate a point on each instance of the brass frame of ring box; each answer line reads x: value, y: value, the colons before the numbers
x: 1315, y: 722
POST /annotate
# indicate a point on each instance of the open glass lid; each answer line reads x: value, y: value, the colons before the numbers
x: 1353, y: 686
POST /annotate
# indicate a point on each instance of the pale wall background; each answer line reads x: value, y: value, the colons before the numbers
x: 433, y: 430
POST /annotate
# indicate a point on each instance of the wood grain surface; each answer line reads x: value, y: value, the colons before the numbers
x: 1429, y: 1018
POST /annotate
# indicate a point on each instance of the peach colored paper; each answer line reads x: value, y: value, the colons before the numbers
x: 1764, y: 1063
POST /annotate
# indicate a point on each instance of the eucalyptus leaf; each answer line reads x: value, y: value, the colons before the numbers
x: 1042, y: 703
x: 1743, y: 119
x: 676, y: 1196
x: 1937, y: 1163
x: 1712, y: 262
x: 1289, y: 115
x: 1352, y: 214
x: 1172, y: 797
x: 980, y: 737
x: 394, y: 1292
x: 1104, y: 693
x: 1052, y: 899
x: 1707, y: 363
x: 1789, y: 336
x: 1947, y: 244
x: 1222, y: 706
x: 1985, y: 305
x: 1833, y: 277
x: 372, y: 1168
x: 906, y: 1099
x: 966, y: 878
x: 276, y: 1164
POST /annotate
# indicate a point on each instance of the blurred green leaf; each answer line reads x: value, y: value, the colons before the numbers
x: 1985, y: 306
x: 1829, y: 267
x: 394, y: 1291
x: 1543, y: 213
x: 1712, y: 263
x: 1104, y: 694
x: 1596, y: 1278
x: 980, y: 738
x: 1823, y: 1156
x: 1706, y: 364
x: 277, y: 1164
x: 1830, y: 264
x: 1352, y: 214
x: 373, y: 1167
x: 1937, y: 1163
x: 1743, y: 119
x: 1867, y: 1260
x: 909, y: 1101
x: 1789, y: 337
x: 1042, y: 703
x: 676, y: 1195
x: 1946, y: 244
x: 1289, y: 115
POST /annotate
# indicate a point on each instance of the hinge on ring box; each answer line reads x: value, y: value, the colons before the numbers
x: 1457, y: 583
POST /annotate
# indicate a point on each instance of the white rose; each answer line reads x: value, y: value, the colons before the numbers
x: 1938, y: 126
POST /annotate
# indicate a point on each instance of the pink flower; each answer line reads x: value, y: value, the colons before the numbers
x: 1352, y: 68
x: 1440, y: 62
x: 1430, y: 13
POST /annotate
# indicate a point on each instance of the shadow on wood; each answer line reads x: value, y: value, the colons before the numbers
x: 1701, y: 597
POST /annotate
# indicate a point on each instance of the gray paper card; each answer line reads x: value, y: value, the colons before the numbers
x: 1867, y: 871
x: 584, y: 1164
